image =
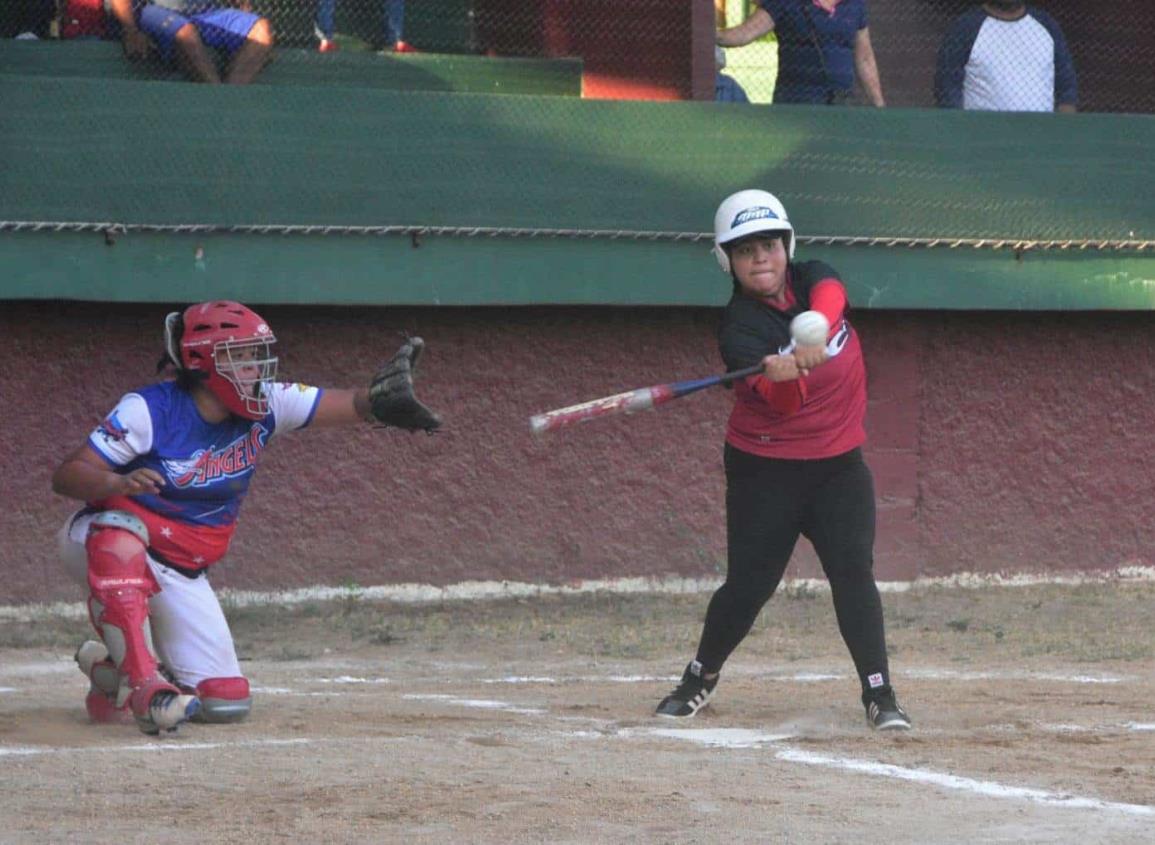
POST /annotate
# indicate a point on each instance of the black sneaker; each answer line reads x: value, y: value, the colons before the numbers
x: 690, y: 696
x: 884, y: 714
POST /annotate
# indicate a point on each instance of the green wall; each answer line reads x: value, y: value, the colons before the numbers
x: 138, y: 154
x: 390, y: 269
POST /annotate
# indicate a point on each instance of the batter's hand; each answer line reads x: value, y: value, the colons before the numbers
x: 809, y: 357
x: 141, y: 481
x: 781, y: 368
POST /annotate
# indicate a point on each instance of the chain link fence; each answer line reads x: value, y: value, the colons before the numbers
x: 570, y: 162
x: 1081, y: 54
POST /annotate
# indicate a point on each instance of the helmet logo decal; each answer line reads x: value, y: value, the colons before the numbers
x: 758, y: 212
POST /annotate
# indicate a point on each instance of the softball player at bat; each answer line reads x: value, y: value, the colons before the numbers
x: 163, y: 478
x: 793, y: 455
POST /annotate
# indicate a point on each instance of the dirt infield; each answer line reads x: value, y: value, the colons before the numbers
x: 530, y: 721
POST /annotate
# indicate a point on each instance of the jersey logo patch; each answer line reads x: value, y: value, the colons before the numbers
x: 208, y: 466
x: 112, y: 429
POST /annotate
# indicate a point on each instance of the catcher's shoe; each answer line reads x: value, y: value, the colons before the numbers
x: 159, y: 706
x: 690, y: 696
x: 884, y: 714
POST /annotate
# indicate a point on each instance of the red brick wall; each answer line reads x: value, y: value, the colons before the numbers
x: 1016, y: 442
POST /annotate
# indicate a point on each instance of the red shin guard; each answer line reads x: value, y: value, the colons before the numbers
x: 121, y: 584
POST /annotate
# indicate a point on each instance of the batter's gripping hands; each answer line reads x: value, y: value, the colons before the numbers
x: 391, y: 398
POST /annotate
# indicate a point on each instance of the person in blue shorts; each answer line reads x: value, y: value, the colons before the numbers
x: 184, y: 31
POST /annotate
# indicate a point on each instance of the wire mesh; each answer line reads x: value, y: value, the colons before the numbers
x: 1055, y: 55
x: 1097, y: 56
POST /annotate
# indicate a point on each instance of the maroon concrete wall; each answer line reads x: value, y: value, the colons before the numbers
x: 1000, y: 442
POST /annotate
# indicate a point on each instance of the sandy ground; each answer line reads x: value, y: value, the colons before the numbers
x: 530, y: 721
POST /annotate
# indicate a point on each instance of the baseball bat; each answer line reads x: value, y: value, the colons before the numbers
x: 640, y: 399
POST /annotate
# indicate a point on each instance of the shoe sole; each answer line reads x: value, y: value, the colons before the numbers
x: 893, y: 725
x: 693, y: 709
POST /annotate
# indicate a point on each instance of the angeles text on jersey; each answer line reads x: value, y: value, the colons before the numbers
x: 206, y: 466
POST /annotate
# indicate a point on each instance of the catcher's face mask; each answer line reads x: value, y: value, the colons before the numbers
x: 230, y: 346
x: 250, y: 367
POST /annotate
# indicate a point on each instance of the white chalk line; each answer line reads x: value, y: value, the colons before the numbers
x: 150, y: 747
x: 478, y: 703
x: 671, y: 585
x: 947, y: 781
x: 1011, y: 675
x: 815, y: 676
x: 740, y: 738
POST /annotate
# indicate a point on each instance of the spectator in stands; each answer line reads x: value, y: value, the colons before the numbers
x: 726, y: 88
x: 82, y: 19
x: 186, y: 38
x: 393, y: 27
x: 822, y: 46
x: 1004, y: 55
x: 27, y: 19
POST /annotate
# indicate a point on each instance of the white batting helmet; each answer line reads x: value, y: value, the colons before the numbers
x: 748, y: 213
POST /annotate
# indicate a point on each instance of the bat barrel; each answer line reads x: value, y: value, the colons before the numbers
x: 539, y: 423
x: 642, y: 399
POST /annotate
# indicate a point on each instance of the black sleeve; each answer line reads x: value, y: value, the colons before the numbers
x: 806, y: 274
x: 749, y: 332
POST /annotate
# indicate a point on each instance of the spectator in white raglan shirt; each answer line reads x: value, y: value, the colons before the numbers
x: 1004, y: 55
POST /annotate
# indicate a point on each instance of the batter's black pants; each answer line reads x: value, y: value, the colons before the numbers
x: 769, y: 503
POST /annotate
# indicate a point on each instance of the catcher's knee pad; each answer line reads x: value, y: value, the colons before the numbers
x: 121, y: 584
x: 224, y: 700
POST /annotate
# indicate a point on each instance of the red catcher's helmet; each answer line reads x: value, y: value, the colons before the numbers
x: 231, y: 345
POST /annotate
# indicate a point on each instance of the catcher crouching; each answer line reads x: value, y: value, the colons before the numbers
x: 163, y: 478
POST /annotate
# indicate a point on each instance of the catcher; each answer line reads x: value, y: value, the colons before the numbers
x: 163, y: 478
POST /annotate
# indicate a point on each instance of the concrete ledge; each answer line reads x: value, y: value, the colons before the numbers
x: 301, y: 67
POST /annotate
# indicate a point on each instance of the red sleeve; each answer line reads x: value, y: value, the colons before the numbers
x: 828, y: 297
x: 785, y: 397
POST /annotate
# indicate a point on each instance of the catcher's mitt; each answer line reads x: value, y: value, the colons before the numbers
x: 391, y: 398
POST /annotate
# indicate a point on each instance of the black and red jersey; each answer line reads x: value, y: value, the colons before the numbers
x: 829, y: 419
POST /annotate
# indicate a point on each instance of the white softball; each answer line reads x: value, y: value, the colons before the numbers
x: 809, y: 329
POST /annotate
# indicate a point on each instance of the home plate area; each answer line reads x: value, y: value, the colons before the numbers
x: 428, y: 749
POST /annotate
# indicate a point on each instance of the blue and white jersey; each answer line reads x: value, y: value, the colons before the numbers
x: 206, y: 466
x: 989, y: 64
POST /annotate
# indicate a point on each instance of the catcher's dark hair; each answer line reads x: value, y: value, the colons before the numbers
x: 185, y: 379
